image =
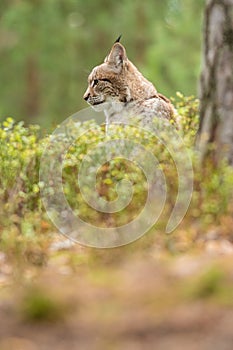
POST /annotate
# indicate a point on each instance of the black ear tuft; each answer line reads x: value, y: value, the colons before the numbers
x: 118, y: 39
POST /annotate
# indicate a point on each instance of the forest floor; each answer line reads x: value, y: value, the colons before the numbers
x: 163, y: 291
x: 124, y: 298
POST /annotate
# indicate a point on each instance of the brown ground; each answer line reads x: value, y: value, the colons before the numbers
x: 107, y: 299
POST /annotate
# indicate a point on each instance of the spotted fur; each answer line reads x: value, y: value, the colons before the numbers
x: 119, y: 89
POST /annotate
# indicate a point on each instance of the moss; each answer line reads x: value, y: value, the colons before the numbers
x: 213, y: 284
x: 39, y: 305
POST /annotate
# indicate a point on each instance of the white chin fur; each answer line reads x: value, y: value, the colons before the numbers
x: 98, y: 108
x: 101, y: 107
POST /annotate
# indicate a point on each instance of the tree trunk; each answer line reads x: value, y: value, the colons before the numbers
x: 32, y: 88
x: 215, y: 138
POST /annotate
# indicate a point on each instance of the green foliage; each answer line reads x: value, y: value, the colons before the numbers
x: 208, y: 283
x: 21, y: 211
x: 187, y: 107
x: 38, y: 305
x: 173, y: 58
x: 213, y: 284
x: 20, y: 149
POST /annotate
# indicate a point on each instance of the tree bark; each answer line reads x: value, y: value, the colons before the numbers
x: 215, y: 137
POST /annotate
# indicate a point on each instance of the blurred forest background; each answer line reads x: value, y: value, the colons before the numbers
x: 48, y: 47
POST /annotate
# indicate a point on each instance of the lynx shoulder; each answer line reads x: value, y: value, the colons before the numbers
x: 118, y: 88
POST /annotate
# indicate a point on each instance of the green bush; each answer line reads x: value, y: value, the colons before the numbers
x: 21, y: 210
x: 20, y: 149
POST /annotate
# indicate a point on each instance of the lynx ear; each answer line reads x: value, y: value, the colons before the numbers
x: 118, y: 39
x: 117, y: 56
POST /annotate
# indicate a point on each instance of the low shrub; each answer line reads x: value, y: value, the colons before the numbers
x: 21, y: 148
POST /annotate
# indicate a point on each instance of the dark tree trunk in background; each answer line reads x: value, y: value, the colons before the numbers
x: 216, y: 84
x: 32, y: 102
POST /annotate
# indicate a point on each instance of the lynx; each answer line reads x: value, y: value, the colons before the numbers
x: 120, y: 90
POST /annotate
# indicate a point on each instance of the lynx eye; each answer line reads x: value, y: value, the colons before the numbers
x: 94, y: 82
x: 105, y: 79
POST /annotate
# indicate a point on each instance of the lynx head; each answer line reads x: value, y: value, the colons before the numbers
x: 116, y: 80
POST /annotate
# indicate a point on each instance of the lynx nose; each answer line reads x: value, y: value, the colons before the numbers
x: 86, y: 95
